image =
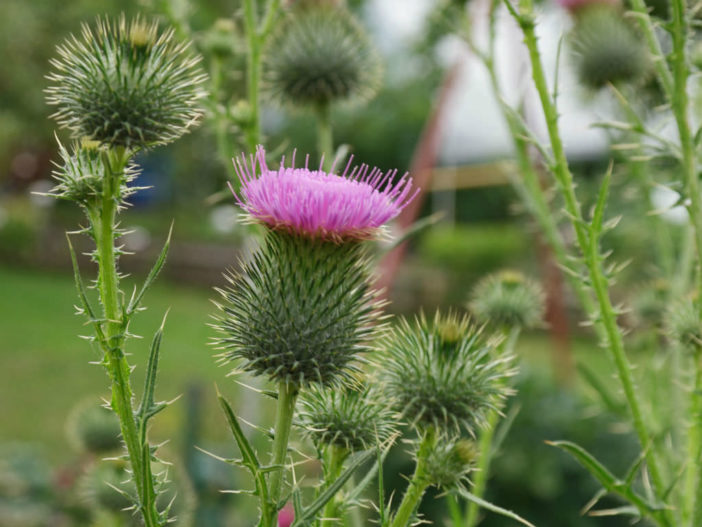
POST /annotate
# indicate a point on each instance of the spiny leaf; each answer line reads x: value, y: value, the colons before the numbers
x: 493, y: 508
x: 609, y: 399
x: 247, y: 451
x: 598, y: 212
x: 136, y: 298
x: 147, y: 408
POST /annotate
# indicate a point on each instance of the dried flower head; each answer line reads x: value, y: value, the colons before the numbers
x: 353, y: 419
x: 318, y: 56
x: 450, y: 462
x: 683, y: 326
x: 508, y: 298
x: 317, y: 204
x: 607, y: 49
x: 124, y: 84
x: 94, y: 428
x: 447, y: 384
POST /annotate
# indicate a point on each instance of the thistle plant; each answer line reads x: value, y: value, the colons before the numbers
x: 302, y: 311
x: 122, y: 87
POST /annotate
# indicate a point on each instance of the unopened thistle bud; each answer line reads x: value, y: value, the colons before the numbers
x: 318, y: 56
x: 94, y: 429
x: 347, y: 418
x: 508, y: 299
x: 450, y: 462
x: 108, y: 486
x: 449, y: 385
x: 220, y: 40
x: 303, y: 308
x: 607, y: 49
x: 125, y: 85
x: 683, y: 326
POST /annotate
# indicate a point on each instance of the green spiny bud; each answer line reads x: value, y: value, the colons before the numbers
x: 94, y: 428
x: 108, y: 486
x: 125, y: 85
x: 608, y: 49
x: 683, y: 325
x: 509, y: 299
x: 300, y: 311
x: 448, y: 464
x: 448, y: 385
x: 320, y: 55
x: 220, y: 40
x: 80, y: 174
x: 351, y: 419
x: 649, y: 303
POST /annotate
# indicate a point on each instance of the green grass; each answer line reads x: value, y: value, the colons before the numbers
x: 44, y: 366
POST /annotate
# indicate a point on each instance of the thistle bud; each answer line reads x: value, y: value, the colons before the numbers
x: 683, y: 325
x: 350, y: 419
x: 450, y: 462
x: 220, y: 40
x: 320, y: 55
x: 449, y: 385
x: 607, y: 49
x: 107, y: 486
x: 508, y: 299
x: 125, y: 85
x: 95, y: 429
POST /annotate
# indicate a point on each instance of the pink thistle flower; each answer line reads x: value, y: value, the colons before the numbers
x: 314, y: 203
x: 286, y: 516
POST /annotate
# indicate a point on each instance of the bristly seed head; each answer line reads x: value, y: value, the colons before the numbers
x: 125, y: 85
x: 317, y: 204
x: 449, y: 385
x: 351, y: 418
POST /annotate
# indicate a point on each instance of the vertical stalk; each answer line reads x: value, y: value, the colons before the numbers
x: 694, y: 438
x: 588, y: 244
x: 116, y: 362
x: 335, y: 462
x: 417, y: 485
x: 287, y: 396
x: 325, y: 141
x: 253, y: 73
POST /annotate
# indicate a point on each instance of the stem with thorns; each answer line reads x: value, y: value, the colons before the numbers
x: 285, y: 409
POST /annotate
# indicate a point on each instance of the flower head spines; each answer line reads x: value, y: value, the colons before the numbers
x: 351, y: 206
x: 125, y: 85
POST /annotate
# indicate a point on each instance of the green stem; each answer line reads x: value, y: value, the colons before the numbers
x: 253, y: 72
x: 332, y: 470
x: 455, y: 511
x: 417, y: 485
x: 116, y: 362
x: 325, y: 141
x: 287, y: 396
x: 694, y: 438
x: 588, y: 244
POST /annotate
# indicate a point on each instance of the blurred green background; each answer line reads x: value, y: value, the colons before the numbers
x: 45, y: 368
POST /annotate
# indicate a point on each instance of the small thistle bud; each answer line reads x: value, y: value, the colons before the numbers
x: 220, y: 40
x: 683, y: 325
x: 95, y: 429
x: 80, y: 174
x: 607, y: 49
x: 320, y: 55
x: 108, y: 486
x: 448, y: 385
x: 450, y: 462
x: 508, y: 299
x: 649, y: 303
x: 302, y: 309
x: 125, y: 85
x: 350, y: 419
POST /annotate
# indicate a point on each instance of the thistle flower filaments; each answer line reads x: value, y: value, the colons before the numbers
x: 303, y: 308
x: 508, y: 299
x: 607, y: 49
x: 682, y: 324
x: 320, y: 55
x: 124, y: 84
x: 349, y: 419
x: 448, y: 384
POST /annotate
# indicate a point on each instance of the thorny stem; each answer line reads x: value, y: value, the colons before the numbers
x: 418, y: 484
x: 116, y: 362
x: 588, y: 243
x: 287, y: 395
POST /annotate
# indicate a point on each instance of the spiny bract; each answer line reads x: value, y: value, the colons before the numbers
x: 508, y: 298
x: 124, y: 84
x: 318, y: 56
x: 607, y: 49
x: 450, y: 462
x: 448, y: 384
x: 300, y: 311
x: 352, y: 419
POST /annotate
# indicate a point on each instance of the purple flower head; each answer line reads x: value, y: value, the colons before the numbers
x: 314, y: 203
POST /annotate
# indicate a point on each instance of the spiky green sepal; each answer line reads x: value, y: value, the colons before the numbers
x: 508, y: 299
x: 124, y: 84
x: 442, y: 378
x: 300, y: 311
x: 607, y: 49
x: 320, y: 55
x: 80, y: 175
x: 352, y: 419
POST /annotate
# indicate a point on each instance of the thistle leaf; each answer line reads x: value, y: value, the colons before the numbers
x: 608, y: 398
x: 147, y: 408
x: 155, y: 270
x: 493, y: 508
x: 248, y: 454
